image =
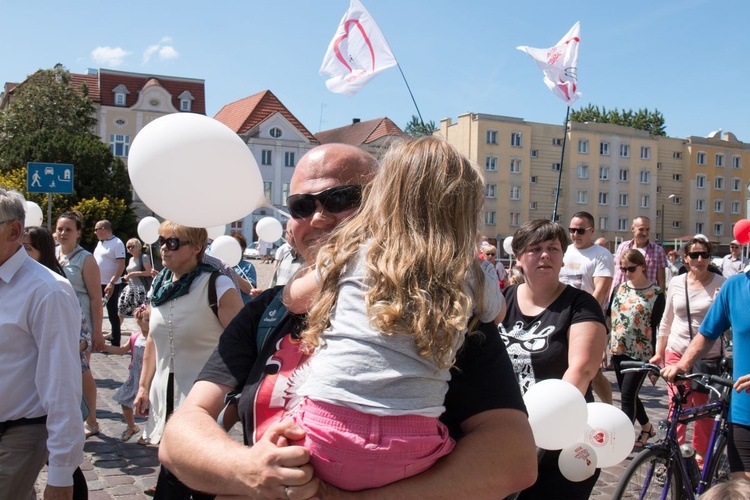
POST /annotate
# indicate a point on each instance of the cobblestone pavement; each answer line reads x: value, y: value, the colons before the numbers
x: 117, y: 470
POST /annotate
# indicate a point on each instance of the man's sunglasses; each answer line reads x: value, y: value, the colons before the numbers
x: 172, y: 244
x: 579, y: 230
x: 696, y: 255
x: 334, y: 200
x: 628, y: 269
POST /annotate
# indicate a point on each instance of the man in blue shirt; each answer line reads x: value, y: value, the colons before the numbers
x: 729, y: 309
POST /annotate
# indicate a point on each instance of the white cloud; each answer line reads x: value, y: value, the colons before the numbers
x: 109, y: 56
x: 168, y: 52
x: 164, y: 50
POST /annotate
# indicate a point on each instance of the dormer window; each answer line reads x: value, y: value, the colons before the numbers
x: 275, y: 132
x: 186, y: 101
x: 121, y: 92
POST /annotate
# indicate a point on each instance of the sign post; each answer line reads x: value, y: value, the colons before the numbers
x: 50, y: 178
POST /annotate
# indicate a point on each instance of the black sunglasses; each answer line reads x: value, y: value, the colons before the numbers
x: 579, y: 230
x: 171, y: 243
x: 629, y: 269
x: 490, y: 254
x: 696, y: 255
x: 334, y: 200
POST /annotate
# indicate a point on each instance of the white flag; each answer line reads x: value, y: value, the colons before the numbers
x: 560, y: 65
x: 357, y: 52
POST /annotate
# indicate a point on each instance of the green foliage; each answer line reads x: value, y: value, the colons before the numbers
x: 416, y: 128
x: 643, y: 119
x: 111, y: 209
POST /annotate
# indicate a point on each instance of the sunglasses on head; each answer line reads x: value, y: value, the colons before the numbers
x: 578, y: 230
x: 628, y: 269
x: 696, y: 255
x: 334, y: 200
x: 171, y: 243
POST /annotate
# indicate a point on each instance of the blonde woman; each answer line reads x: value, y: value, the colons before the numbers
x: 397, y: 285
x: 138, y: 278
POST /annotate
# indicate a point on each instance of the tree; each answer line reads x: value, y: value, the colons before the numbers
x: 416, y: 128
x: 643, y: 119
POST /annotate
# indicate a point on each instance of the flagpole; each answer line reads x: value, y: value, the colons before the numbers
x: 562, y: 159
x: 421, y: 121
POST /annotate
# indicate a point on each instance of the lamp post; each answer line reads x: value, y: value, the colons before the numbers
x: 662, y: 217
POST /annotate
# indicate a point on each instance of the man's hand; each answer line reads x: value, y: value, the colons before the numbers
x: 671, y: 371
x: 109, y: 290
x: 58, y: 492
x: 742, y: 383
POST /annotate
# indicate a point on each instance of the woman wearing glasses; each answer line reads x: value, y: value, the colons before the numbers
x: 552, y: 331
x: 185, y: 326
x: 138, y: 276
x: 636, y: 310
x: 688, y: 299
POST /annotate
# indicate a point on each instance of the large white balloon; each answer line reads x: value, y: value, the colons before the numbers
x: 610, y: 433
x: 194, y: 170
x: 269, y: 229
x: 557, y: 413
x: 228, y: 249
x: 577, y: 462
x: 508, y: 245
x: 216, y: 231
x: 148, y: 230
x: 34, y: 215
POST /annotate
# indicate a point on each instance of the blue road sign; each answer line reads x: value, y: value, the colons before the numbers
x: 49, y: 178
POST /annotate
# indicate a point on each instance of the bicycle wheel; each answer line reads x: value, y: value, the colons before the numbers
x: 719, y: 466
x: 650, y: 472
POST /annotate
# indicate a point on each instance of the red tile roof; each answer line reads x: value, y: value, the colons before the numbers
x: 361, y: 133
x: 246, y: 113
x: 93, y: 84
x: 134, y: 82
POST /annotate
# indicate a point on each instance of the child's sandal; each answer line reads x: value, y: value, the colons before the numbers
x: 129, y: 433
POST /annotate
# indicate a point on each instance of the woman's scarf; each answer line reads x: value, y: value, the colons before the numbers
x: 164, y: 289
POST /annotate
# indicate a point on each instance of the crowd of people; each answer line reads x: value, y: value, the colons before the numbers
x: 388, y: 358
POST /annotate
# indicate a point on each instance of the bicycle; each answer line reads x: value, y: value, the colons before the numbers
x: 660, y: 470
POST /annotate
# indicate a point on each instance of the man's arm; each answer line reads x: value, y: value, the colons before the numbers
x: 602, y: 284
x: 698, y: 347
x: 113, y: 279
x: 661, y: 277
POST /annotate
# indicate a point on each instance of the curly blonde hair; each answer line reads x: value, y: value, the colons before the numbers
x: 418, y: 220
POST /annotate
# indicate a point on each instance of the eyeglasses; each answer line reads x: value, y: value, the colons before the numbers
x: 734, y: 246
x: 130, y: 247
x: 628, y: 269
x: 98, y: 229
x: 172, y: 244
x: 335, y: 200
x: 490, y: 254
x: 696, y: 255
x: 578, y: 230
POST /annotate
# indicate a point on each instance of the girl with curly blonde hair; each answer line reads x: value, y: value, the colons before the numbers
x: 390, y: 299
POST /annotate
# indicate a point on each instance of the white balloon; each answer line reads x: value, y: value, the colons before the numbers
x: 216, y: 231
x: 148, y: 230
x: 557, y: 413
x: 610, y: 433
x: 508, y: 245
x: 194, y: 170
x: 228, y: 249
x: 34, y: 215
x: 269, y: 229
x: 577, y: 462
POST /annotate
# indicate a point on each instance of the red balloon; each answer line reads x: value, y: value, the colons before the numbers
x: 742, y: 231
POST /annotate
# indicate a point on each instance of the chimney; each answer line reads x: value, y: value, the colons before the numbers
x: 355, y: 120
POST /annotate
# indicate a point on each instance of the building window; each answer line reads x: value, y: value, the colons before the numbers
x: 735, y: 207
x: 515, y: 165
x: 556, y: 142
x: 237, y: 225
x: 676, y: 200
x: 700, y: 158
x: 719, y: 183
x: 700, y: 205
x: 583, y: 171
x: 736, y: 184
x: 492, y: 137
x: 700, y: 181
x: 698, y: 227
x: 603, y: 173
x: 645, y: 176
x: 555, y: 167
x: 534, y: 179
x: 265, y: 157
x: 603, y: 198
x: 604, y: 148
x: 645, y: 201
x: 119, y: 145
x: 736, y: 162
x: 289, y: 159
x: 625, y: 150
x: 677, y: 177
x: 275, y: 132
x: 624, y: 199
x: 490, y: 163
x: 677, y: 155
x: 645, y: 153
x: 515, y: 192
x: 515, y: 139
x: 533, y: 205
x: 583, y: 146
x: 490, y: 191
x: 534, y: 153
x: 603, y: 223
x: 490, y: 217
x: 719, y: 206
x: 284, y: 192
x: 119, y: 99
x: 718, y: 229
x: 622, y: 224
x: 624, y: 175
x: 719, y: 160
x: 268, y: 190
x: 185, y: 105
x: 515, y: 219
x: 582, y: 197
x: 677, y: 224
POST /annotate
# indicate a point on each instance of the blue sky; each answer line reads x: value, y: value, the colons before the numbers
x: 688, y: 58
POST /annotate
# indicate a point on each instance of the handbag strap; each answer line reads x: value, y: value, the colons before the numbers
x: 690, y: 321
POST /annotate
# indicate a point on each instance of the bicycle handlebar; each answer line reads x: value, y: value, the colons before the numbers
x: 702, y: 378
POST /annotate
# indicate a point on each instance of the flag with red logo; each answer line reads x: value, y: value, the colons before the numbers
x: 357, y: 52
x: 560, y: 65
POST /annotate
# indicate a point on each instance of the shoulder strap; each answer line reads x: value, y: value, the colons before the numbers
x: 687, y: 306
x: 212, y: 300
x: 271, y: 318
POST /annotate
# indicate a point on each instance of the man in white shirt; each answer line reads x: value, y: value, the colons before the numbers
x: 589, y: 267
x: 110, y: 256
x: 40, y: 368
x: 733, y: 263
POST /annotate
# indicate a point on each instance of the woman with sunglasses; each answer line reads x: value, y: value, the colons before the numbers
x: 635, y: 311
x: 688, y: 299
x: 184, y: 330
x: 83, y: 273
x: 138, y: 278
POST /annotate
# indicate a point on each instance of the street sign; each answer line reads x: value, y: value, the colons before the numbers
x: 49, y: 178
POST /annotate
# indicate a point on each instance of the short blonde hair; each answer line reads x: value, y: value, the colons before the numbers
x: 194, y: 236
